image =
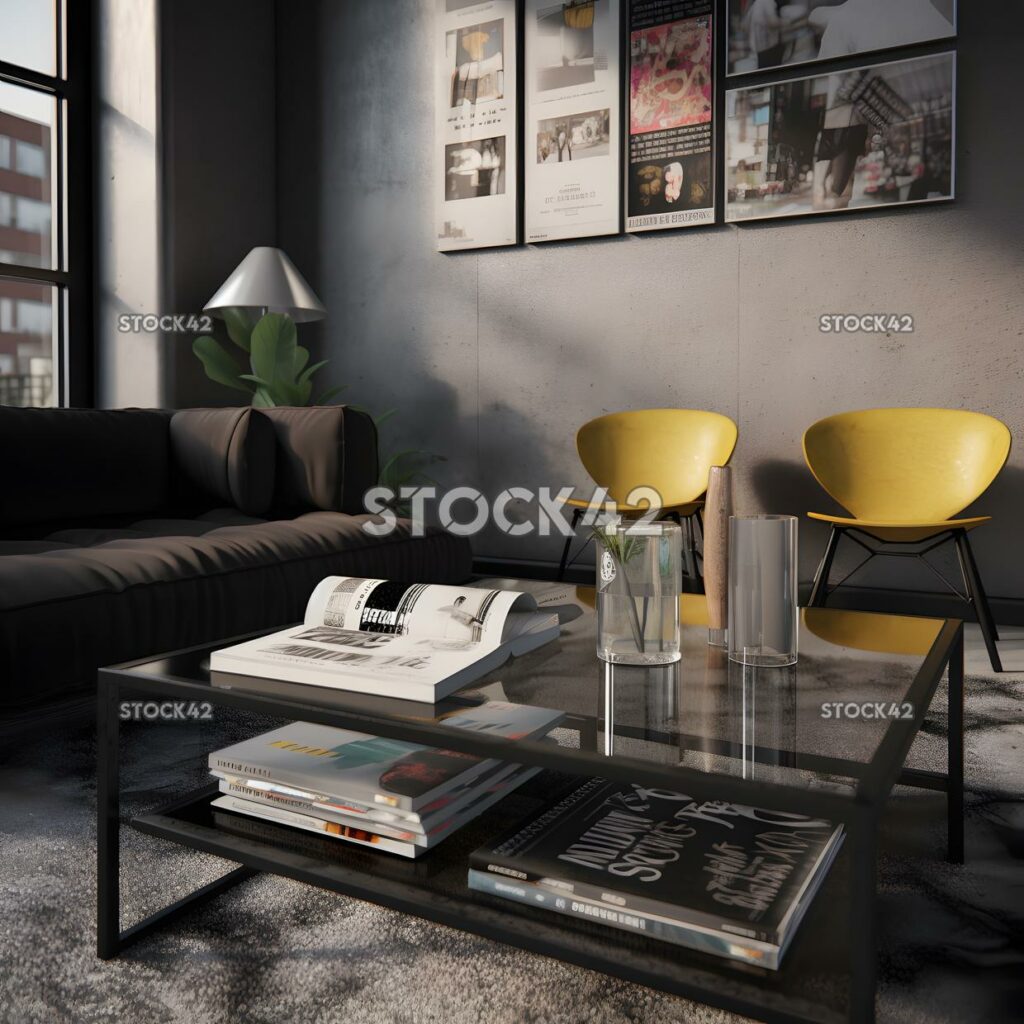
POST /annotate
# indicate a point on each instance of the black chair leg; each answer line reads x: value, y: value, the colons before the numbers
x: 976, y: 592
x: 692, y: 535
x: 819, y: 592
x: 576, y: 513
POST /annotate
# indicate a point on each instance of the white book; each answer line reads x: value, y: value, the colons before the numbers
x: 416, y: 642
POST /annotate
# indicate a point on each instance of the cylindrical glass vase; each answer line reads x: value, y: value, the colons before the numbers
x: 639, y: 569
x: 762, y: 590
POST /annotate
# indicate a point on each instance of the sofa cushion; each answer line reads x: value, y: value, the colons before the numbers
x: 63, y: 464
x: 326, y: 458
x: 228, y: 454
x: 66, y: 613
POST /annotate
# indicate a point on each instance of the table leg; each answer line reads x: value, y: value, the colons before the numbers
x: 863, y: 853
x: 955, y: 754
x: 110, y: 940
x: 108, y: 822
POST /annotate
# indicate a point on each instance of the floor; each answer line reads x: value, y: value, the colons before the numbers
x: 273, y: 951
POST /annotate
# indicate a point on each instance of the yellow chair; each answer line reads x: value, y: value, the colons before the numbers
x: 669, y: 450
x: 904, y: 474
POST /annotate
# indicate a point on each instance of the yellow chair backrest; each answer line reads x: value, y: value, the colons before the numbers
x: 670, y: 450
x: 906, y: 465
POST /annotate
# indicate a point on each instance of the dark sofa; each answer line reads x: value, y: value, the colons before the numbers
x: 125, y: 533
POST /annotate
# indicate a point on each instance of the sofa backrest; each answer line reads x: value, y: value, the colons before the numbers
x: 62, y: 464
x: 224, y: 454
x: 326, y: 458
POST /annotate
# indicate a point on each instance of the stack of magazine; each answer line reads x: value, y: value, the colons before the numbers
x: 386, y: 794
x: 730, y: 880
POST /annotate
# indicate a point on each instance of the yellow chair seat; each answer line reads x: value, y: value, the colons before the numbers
x: 908, y: 533
x: 686, y: 509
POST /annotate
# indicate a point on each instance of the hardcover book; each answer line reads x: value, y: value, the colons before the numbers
x: 725, y: 878
x: 361, y: 771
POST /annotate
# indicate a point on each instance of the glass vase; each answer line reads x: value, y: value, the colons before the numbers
x: 762, y: 590
x: 639, y: 570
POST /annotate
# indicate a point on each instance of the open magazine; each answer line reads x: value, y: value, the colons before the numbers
x: 413, y: 641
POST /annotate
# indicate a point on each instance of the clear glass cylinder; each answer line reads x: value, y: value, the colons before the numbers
x: 639, y: 573
x: 763, y: 590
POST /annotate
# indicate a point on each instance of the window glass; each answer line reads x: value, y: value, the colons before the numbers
x: 27, y: 118
x: 28, y: 34
x: 26, y: 342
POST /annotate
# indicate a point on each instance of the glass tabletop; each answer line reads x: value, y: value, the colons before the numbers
x: 819, y: 724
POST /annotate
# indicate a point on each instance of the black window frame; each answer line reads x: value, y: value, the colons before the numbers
x: 71, y: 163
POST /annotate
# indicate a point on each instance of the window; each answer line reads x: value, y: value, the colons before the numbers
x: 32, y: 160
x: 45, y: 203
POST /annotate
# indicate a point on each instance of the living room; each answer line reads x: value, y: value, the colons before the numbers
x: 630, y: 384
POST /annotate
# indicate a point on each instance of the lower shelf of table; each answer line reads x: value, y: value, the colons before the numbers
x: 811, y: 986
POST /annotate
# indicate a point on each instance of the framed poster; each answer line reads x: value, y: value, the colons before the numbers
x: 572, y: 161
x: 670, y: 164
x: 477, y: 128
x: 866, y: 138
x: 766, y: 34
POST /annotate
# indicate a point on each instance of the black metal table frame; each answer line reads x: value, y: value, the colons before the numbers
x: 860, y: 811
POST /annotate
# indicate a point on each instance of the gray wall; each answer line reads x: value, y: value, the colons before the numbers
x: 129, y: 271
x: 496, y: 358
x: 186, y: 179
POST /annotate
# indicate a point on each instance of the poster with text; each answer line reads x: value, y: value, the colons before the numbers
x: 670, y: 168
x: 572, y: 144
x: 477, y: 131
x: 773, y: 33
x: 866, y: 138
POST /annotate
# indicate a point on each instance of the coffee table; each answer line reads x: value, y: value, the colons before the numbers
x: 829, y: 736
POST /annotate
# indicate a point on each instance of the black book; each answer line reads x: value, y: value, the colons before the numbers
x: 726, y: 878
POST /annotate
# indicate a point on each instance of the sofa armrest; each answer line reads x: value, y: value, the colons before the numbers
x: 326, y: 458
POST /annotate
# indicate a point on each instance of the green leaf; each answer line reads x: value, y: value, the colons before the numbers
x: 301, y: 358
x: 262, y: 399
x: 239, y: 326
x: 307, y: 374
x: 273, y: 349
x: 255, y: 379
x: 384, y: 417
x: 329, y: 394
x: 218, y: 364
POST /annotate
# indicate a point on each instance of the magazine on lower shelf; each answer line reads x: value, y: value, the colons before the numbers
x: 417, y: 642
x: 719, y: 877
x: 363, y: 773
x: 382, y: 837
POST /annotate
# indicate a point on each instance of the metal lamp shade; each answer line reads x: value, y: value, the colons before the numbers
x: 267, y: 281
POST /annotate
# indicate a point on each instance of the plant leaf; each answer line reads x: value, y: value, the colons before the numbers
x: 384, y: 417
x: 330, y: 393
x: 218, y: 364
x: 255, y: 379
x: 262, y: 399
x: 239, y: 327
x: 301, y: 358
x: 307, y: 374
x: 273, y: 349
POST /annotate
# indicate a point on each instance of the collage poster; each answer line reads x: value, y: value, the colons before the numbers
x: 477, y: 191
x: 670, y: 169
x: 881, y: 135
x: 572, y: 115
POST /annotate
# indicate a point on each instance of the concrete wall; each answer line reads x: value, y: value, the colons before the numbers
x: 218, y: 76
x: 186, y: 179
x: 129, y: 271
x: 496, y: 358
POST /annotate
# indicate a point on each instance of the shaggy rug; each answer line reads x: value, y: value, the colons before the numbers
x: 271, y: 950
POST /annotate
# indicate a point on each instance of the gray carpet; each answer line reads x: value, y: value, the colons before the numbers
x: 276, y: 951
